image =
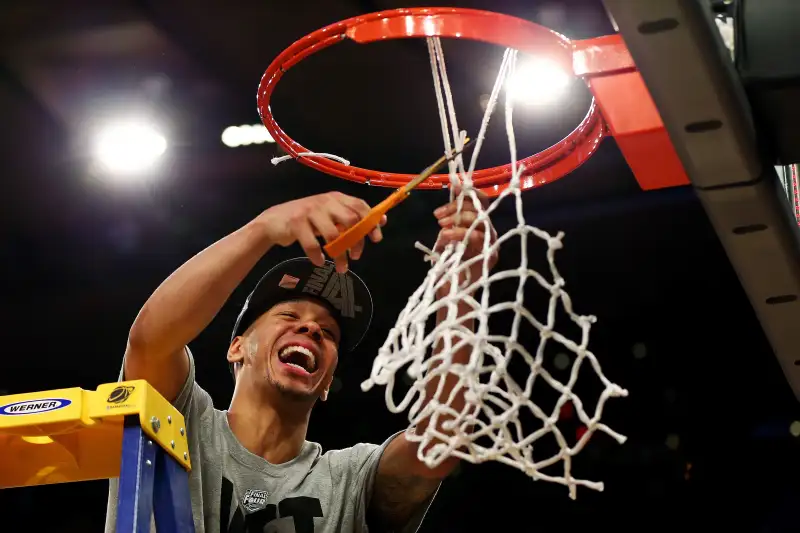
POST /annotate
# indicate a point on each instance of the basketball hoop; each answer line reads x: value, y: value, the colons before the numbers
x: 488, y: 427
x: 494, y: 28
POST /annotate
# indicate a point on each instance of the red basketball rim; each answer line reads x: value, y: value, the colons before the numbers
x: 485, y: 26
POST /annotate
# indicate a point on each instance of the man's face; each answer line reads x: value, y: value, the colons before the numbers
x: 293, y: 348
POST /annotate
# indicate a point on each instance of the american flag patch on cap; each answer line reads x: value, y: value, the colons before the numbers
x: 288, y: 282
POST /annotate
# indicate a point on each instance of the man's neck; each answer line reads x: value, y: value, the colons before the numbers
x: 276, y: 435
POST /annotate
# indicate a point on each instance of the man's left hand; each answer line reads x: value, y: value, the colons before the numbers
x: 455, y: 227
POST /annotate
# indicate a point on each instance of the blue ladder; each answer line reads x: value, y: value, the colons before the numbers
x: 151, y: 483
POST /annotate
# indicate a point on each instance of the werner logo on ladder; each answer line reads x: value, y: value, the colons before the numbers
x: 33, y: 406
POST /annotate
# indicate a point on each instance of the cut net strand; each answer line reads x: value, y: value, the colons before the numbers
x: 488, y: 427
x: 278, y: 160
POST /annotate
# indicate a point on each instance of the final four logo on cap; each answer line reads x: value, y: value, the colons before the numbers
x: 325, y: 282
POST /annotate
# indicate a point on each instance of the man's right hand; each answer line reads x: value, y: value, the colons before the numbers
x: 321, y: 215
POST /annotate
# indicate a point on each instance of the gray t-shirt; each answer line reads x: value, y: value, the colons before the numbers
x: 315, y: 492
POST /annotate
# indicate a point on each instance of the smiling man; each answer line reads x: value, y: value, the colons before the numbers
x: 253, y: 469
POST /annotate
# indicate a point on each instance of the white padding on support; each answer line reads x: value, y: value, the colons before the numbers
x: 755, y: 227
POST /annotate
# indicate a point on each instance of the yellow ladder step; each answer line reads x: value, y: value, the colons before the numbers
x: 67, y: 435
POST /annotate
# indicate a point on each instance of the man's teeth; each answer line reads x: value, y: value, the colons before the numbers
x: 309, y: 360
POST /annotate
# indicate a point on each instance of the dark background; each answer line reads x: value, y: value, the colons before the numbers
x: 80, y: 255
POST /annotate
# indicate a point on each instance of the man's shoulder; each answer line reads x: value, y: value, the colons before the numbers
x: 359, y: 460
x: 356, y: 450
x: 361, y: 451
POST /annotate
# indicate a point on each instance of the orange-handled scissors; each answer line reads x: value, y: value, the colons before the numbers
x: 355, y: 233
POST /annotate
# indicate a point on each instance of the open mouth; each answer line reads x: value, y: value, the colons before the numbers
x: 298, y: 357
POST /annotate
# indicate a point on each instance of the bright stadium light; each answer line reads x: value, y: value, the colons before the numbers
x: 129, y: 148
x: 539, y: 82
x: 245, y: 135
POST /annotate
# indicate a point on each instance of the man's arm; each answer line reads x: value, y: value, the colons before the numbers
x: 403, y: 482
x: 185, y: 303
x: 188, y: 300
x: 401, y: 486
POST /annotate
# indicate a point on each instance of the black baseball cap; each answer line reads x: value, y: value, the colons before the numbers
x: 345, y: 295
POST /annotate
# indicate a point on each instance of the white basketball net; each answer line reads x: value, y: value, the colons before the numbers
x: 493, y: 400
